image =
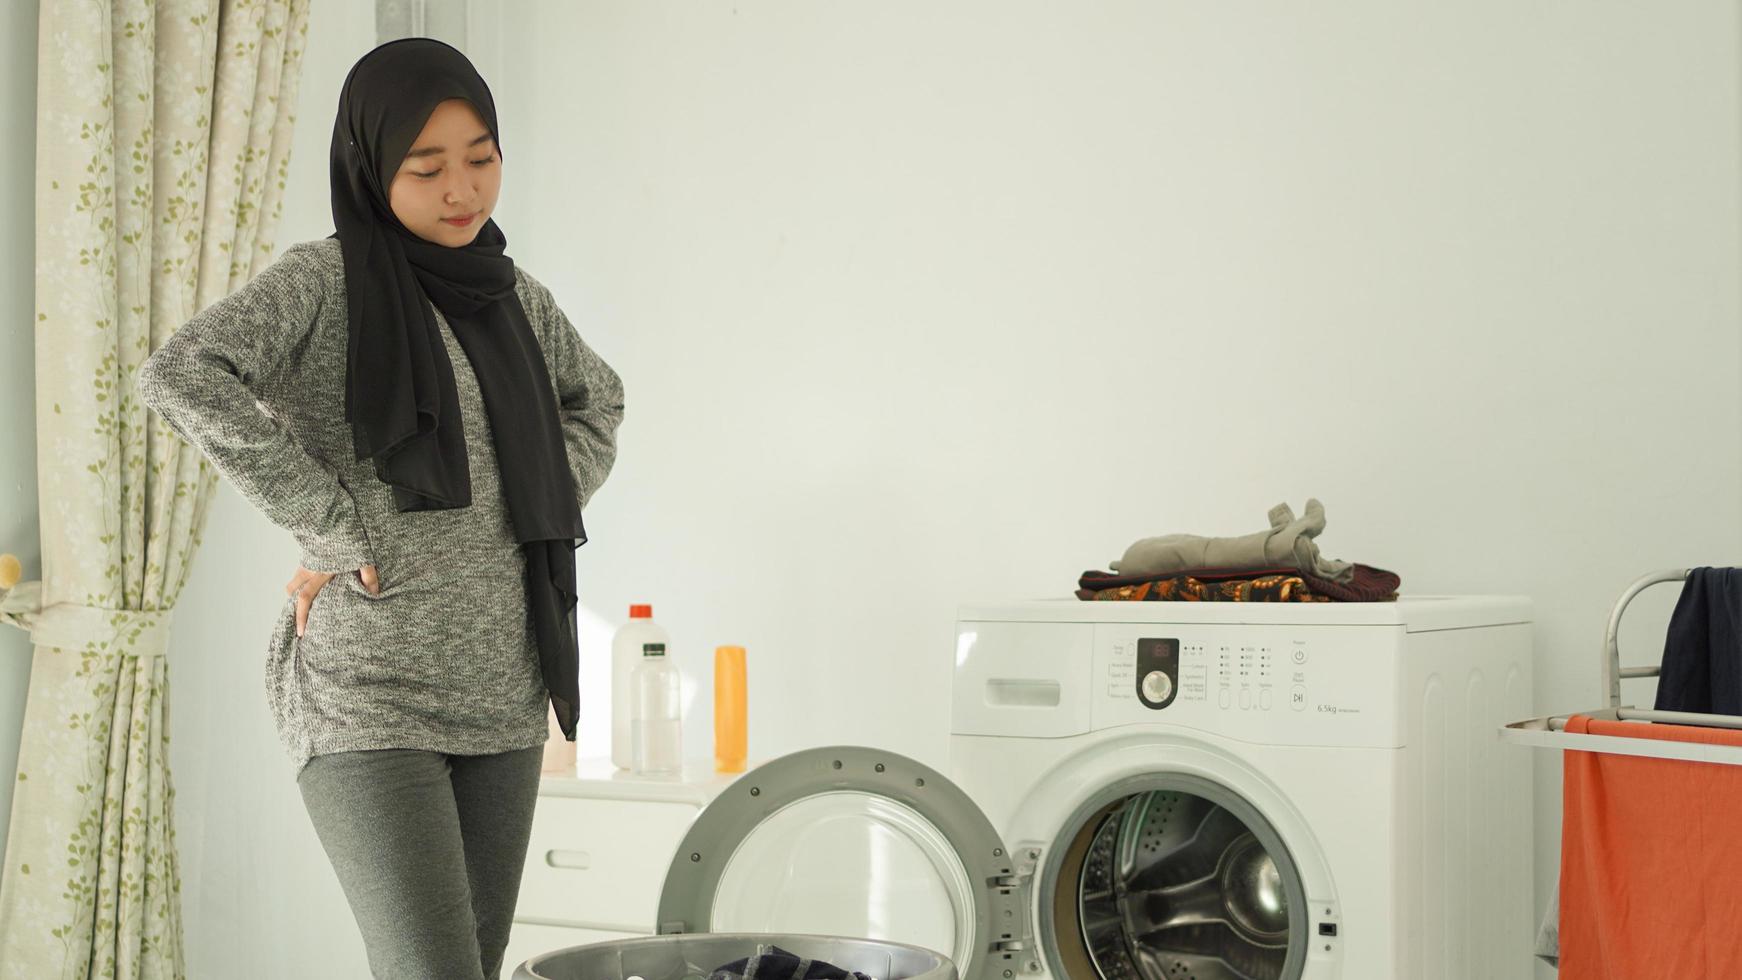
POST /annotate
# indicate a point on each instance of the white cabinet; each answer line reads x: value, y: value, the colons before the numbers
x: 598, y: 863
x: 602, y: 840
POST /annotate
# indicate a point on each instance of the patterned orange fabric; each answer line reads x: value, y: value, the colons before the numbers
x: 1186, y: 588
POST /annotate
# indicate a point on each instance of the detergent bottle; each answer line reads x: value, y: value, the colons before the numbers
x: 657, y: 695
x: 625, y: 657
x: 730, y: 709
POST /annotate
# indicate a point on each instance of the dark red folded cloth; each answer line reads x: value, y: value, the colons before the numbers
x: 1369, y: 584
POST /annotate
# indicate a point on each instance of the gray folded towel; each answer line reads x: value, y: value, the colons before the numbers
x: 1289, y: 543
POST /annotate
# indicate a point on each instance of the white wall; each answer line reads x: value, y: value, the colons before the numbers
x: 917, y: 303
x: 923, y: 303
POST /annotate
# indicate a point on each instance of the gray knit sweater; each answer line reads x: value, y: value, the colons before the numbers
x: 444, y: 658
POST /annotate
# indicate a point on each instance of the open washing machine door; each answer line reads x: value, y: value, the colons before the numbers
x: 853, y: 842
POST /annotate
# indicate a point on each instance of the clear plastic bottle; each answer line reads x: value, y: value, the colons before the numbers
x: 625, y: 657
x: 657, y: 698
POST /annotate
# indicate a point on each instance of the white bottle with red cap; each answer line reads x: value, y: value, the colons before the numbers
x: 625, y: 656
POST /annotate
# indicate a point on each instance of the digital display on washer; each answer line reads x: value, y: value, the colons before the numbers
x: 1157, y: 672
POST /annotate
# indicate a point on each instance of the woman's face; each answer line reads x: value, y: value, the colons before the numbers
x: 451, y: 171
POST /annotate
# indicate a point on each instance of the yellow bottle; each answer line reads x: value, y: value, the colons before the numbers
x: 730, y: 714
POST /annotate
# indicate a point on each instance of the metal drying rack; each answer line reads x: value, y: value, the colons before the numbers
x: 1550, y: 731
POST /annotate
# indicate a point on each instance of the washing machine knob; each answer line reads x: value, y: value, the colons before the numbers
x: 1157, y: 686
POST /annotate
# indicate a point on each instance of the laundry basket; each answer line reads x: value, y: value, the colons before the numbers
x: 692, y: 956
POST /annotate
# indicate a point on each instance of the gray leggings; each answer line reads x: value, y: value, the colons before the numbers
x: 428, y: 848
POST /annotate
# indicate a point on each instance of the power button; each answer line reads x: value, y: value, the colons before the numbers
x: 1157, y: 686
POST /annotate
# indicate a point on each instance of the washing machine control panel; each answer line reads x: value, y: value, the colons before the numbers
x: 1262, y: 678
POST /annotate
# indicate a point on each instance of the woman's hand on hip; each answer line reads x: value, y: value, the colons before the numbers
x: 306, y: 582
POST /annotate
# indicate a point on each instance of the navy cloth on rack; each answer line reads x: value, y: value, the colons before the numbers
x: 1702, y: 650
x: 778, y: 964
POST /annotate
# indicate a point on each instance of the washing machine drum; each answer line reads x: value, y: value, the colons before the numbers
x: 1174, y: 885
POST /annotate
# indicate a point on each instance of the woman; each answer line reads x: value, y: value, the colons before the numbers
x: 436, y: 426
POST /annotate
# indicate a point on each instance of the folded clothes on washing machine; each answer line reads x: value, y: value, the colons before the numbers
x: 778, y: 964
x: 1365, y: 584
x: 1279, y: 587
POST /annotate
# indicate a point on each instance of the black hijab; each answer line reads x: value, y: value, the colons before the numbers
x: 399, y: 385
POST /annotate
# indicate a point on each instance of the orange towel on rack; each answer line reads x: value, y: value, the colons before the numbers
x: 1651, y: 858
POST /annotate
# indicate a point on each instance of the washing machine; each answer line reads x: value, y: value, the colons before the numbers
x: 1160, y: 791
x: 1234, y: 791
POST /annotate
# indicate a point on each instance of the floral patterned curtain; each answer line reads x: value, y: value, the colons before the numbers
x: 163, y: 137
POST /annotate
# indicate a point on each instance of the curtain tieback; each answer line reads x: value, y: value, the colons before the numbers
x: 73, y: 627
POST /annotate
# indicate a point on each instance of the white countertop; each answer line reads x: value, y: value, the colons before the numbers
x: 595, y: 777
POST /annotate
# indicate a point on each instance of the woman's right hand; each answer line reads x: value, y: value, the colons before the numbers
x: 306, y: 582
